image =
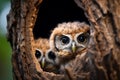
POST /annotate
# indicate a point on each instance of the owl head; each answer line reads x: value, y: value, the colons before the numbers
x: 70, y: 38
x: 45, y: 56
x: 41, y: 48
x: 47, y: 60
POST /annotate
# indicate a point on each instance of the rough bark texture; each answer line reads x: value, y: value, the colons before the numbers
x: 104, y: 16
x: 102, y: 59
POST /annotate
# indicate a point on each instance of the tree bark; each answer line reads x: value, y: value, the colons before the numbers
x: 102, y: 59
x: 104, y: 18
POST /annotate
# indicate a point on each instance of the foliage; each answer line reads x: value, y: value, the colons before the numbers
x: 5, y: 52
x: 5, y: 59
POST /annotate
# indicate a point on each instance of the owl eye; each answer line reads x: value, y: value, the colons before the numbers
x: 81, y: 38
x: 38, y: 54
x: 65, y: 39
x: 51, y: 55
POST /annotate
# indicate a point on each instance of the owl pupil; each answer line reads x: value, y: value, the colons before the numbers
x: 38, y: 54
x: 65, y: 40
x: 51, y: 55
x: 81, y: 38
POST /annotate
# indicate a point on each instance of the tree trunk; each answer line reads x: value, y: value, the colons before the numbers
x: 102, y: 59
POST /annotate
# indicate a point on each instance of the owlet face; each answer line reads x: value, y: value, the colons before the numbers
x: 72, y: 43
x: 70, y: 39
x: 45, y: 56
x: 41, y: 48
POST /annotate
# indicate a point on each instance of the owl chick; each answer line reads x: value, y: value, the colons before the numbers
x: 68, y: 40
x: 41, y: 50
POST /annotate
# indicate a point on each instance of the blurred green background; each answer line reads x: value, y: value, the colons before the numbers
x: 5, y: 49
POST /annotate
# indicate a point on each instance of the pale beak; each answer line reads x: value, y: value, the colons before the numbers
x: 73, y: 47
x: 43, y: 62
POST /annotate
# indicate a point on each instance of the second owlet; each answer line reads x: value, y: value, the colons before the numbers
x: 68, y: 40
x: 42, y: 53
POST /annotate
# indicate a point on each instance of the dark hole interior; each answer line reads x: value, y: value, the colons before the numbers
x: 52, y: 12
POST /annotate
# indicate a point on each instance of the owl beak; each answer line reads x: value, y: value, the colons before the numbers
x: 73, y: 47
x: 43, y: 63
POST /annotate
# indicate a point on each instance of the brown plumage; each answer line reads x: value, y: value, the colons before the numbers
x: 41, y: 49
x: 69, y: 39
